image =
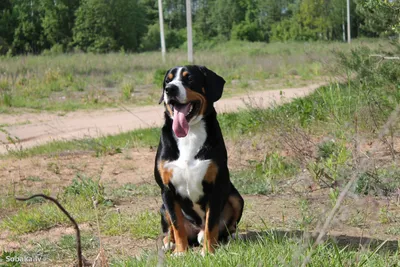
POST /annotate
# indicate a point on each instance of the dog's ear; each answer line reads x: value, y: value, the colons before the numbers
x: 214, y: 84
x: 163, y: 85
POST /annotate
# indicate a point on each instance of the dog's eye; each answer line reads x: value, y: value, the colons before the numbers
x: 190, y: 78
x: 167, y: 80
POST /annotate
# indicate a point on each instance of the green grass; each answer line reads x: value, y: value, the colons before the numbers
x: 69, y: 82
x: 143, y: 225
x: 262, y: 177
x: 131, y: 190
x: 37, y: 214
x: 63, y: 248
x: 272, y: 250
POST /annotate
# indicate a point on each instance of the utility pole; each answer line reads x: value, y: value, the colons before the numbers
x: 189, y: 30
x: 161, y: 19
x: 348, y: 22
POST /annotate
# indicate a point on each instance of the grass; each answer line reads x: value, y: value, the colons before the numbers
x: 131, y: 190
x: 262, y: 177
x: 77, y: 199
x: 318, y: 135
x: 272, y: 250
x: 58, y: 83
x: 61, y: 249
x: 143, y: 225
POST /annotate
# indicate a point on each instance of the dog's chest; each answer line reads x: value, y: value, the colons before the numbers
x: 188, y: 172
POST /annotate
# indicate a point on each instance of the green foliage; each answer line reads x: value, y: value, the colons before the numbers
x: 264, y: 175
x: 380, y: 17
x: 247, y: 32
x: 151, y: 40
x: 87, y: 188
x: 5, y: 255
x: 382, y: 181
x: 93, y: 29
x: 102, y: 26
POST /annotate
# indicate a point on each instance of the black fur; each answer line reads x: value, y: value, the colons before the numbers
x: 216, y: 194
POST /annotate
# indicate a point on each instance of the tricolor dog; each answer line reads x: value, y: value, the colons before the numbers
x: 200, y: 204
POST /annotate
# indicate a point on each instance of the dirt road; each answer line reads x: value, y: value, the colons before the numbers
x: 33, y: 129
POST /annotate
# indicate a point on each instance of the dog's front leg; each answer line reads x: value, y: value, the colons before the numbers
x: 176, y: 221
x: 211, y: 231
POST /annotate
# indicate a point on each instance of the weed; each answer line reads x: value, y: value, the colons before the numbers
x: 131, y: 190
x: 127, y: 89
x: 87, y: 188
x: 385, y: 216
x: 53, y: 167
x: 307, y: 216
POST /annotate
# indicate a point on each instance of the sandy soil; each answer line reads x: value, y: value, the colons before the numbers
x: 32, y: 129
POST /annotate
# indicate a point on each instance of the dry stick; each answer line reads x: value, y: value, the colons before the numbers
x: 78, y: 233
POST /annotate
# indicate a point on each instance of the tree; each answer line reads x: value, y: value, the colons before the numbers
x: 130, y: 23
x: 380, y: 17
x: 28, y: 34
x: 7, y: 26
x: 58, y: 21
x: 93, y: 27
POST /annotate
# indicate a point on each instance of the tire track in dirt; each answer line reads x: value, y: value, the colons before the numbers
x: 32, y: 129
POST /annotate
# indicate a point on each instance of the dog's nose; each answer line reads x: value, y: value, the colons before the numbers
x: 171, y: 90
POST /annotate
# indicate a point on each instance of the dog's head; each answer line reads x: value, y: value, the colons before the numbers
x: 188, y: 94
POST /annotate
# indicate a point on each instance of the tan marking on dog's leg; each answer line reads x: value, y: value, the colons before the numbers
x: 170, y: 238
x: 210, y: 235
x: 180, y: 235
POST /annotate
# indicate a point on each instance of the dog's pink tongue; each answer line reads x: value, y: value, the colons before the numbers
x: 180, y: 124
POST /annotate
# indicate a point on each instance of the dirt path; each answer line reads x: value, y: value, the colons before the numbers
x: 38, y: 128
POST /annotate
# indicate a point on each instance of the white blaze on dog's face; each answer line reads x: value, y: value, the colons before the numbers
x: 187, y: 93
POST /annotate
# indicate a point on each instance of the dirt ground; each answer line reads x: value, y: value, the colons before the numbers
x: 32, y: 129
x: 359, y: 217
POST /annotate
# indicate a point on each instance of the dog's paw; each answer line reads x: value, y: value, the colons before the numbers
x: 200, y: 237
x: 178, y: 253
x: 168, y: 246
x: 204, y: 253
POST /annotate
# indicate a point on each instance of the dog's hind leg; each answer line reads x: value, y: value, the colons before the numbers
x: 231, y: 215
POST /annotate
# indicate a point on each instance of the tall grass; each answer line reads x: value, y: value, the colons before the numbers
x: 76, y: 81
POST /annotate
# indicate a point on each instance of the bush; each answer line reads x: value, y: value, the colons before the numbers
x: 247, y: 31
x: 173, y: 38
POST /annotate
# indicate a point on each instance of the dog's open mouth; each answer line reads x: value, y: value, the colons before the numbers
x: 182, y: 114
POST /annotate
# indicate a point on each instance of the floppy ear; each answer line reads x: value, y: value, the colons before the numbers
x: 214, y: 84
x: 163, y: 85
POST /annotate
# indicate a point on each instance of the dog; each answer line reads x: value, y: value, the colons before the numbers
x: 200, y: 206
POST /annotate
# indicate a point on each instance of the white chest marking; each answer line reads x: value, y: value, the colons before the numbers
x: 188, y: 172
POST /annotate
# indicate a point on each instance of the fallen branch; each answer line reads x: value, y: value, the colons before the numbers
x: 77, y: 231
x: 385, y: 57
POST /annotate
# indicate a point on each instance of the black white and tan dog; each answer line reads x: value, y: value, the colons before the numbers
x: 200, y: 204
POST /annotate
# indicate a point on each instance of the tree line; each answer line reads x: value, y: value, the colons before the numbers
x: 32, y: 26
